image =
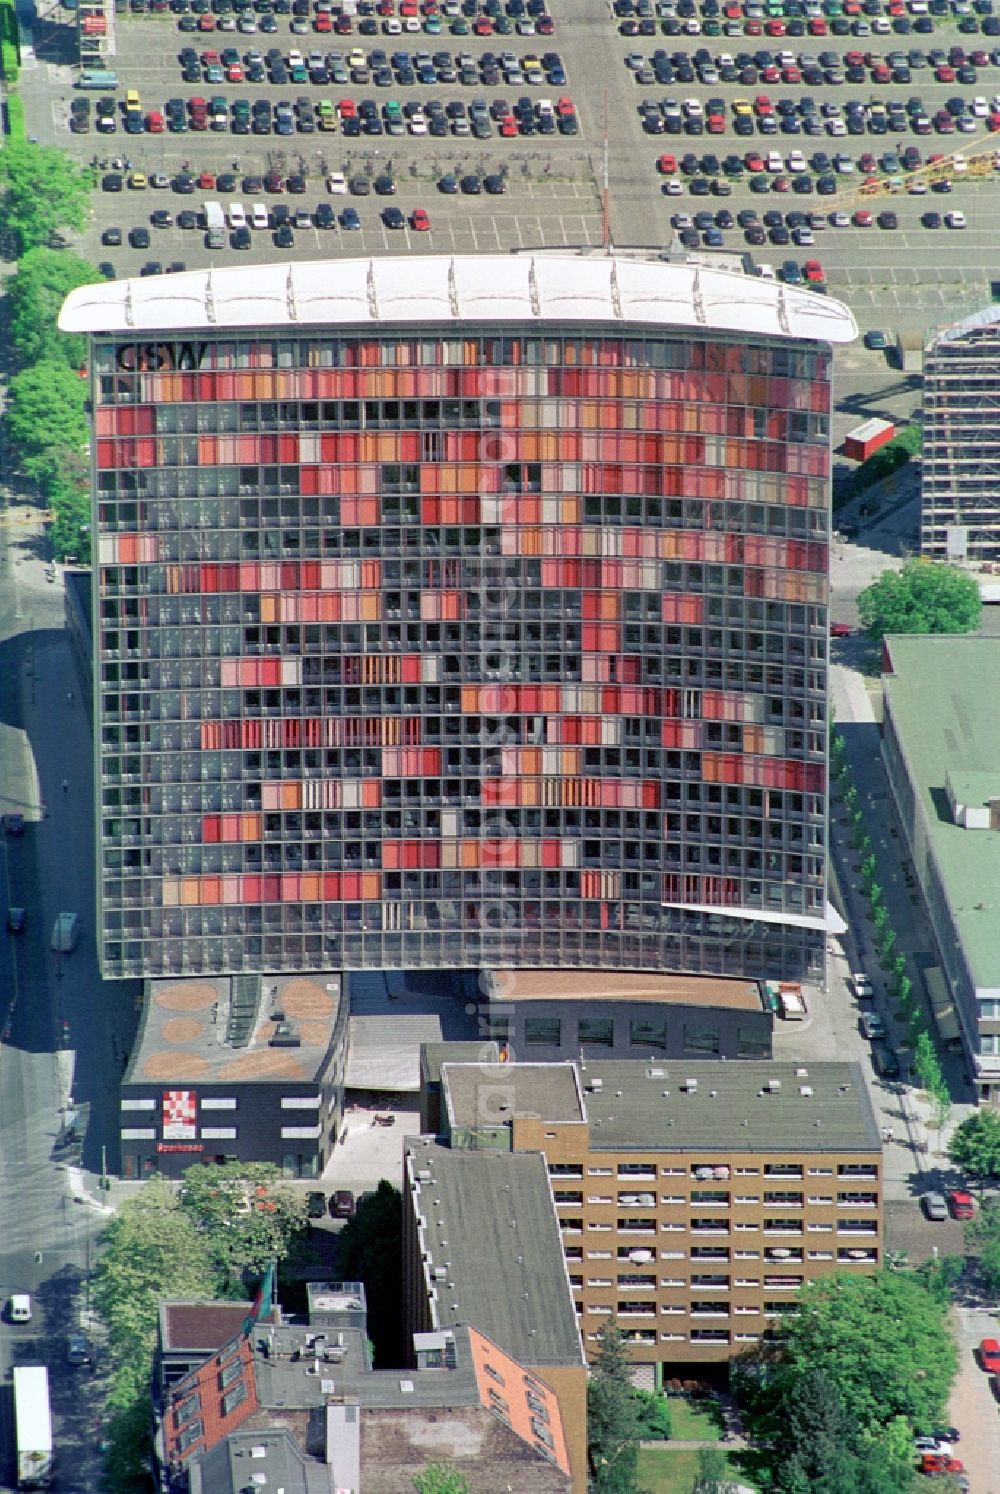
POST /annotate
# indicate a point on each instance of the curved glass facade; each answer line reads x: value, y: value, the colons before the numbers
x: 448, y: 650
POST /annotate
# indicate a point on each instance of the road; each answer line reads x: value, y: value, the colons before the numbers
x: 61, y: 1024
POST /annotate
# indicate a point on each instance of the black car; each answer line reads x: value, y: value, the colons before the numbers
x: 385, y: 185
x: 931, y: 220
x: 139, y: 238
x: 240, y: 238
x: 316, y: 1205
x: 754, y: 234
x: 284, y: 237
x: 112, y: 237
x: 187, y: 218
x: 151, y: 267
x: 495, y: 185
x: 448, y: 185
x: 112, y: 182
x: 472, y: 185
x: 393, y: 218
x: 324, y: 216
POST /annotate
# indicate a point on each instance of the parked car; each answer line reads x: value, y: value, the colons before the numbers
x: 342, y: 1204
x: 935, y: 1206
x: 315, y: 1205
x: 15, y: 920
x: 989, y: 1355
x: 961, y: 1203
x: 885, y: 1062
x: 872, y: 1026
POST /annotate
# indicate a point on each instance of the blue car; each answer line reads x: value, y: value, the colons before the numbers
x: 349, y: 218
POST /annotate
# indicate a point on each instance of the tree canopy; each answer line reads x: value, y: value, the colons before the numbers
x: 614, y: 1416
x: 150, y: 1242
x: 34, y: 296
x: 41, y: 190
x: 923, y: 597
x: 975, y: 1144
x: 246, y: 1218
x: 982, y: 1234
x: 881, y: 1343
x: 46, y: 416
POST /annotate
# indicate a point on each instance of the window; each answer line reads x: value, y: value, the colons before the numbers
x: 699, y: 1039
x: 186, y: 1409
x: 234, y: 1398
x: 598, y: 1032
x: 751, y: 1042
x: 542, y: 1032
x: 648, y: 1035
x: 231, y: 1372
x: 190, y: 1435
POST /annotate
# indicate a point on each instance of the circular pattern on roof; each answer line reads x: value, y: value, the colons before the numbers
x: 314, y: 1034
x: 174, y: 1065
x: 189, y: 996
x: 275, y: 1063
x: 306, y: 998
x: 181, y: 1030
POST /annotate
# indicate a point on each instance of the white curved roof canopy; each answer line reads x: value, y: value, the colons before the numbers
x: 439, y: 289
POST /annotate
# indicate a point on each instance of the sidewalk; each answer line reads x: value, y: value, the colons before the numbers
x: 855, y: 717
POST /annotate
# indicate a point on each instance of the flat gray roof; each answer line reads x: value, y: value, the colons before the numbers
x: 487, y: 1224
x: 480, y: 1095
x: 822, y: 1107
x: 944, y: 698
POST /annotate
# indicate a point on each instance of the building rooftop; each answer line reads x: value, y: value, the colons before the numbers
x: 434, y: 1055
x: 227, y: 1029
x: 944, y: 694
x: 492, y: 1250
x: 629, y: 985
x: 395, y: 291
x: 200, y: 1325
x: 713, y: 1106
x: 492, y: 1095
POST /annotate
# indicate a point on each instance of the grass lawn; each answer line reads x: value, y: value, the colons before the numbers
x: 663, y: 1471
x: 694, y: 1422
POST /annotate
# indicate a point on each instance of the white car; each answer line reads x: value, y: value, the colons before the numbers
x: 954, y: 220
x: 693, y: 108
x: 774, y: 161
x: 418, y: 124
x: 917, y: 189
x: 843, y: 163
x: 840, y: 220
x: 237, y: 215
x: 336, y: 184
x: 836, y: 127
x: 295, y: 58
x: 673, y: 187
x: 980, y: 107
x: 923, y: 1445
x: 259, y: 216
x: 796, y: 161
x: 862, y: 986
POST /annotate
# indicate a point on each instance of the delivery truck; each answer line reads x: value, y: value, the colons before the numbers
x: 33, y: 1426
x: 65, y: 932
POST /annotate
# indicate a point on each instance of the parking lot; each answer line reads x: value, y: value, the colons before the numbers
x: 725, y: 80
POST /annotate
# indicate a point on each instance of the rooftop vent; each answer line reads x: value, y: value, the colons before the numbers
x: 691, y: 1085
x: 805, y: 1090
x: 596, y: 1085
x: 774, y: 1086
x: 285, y: 1036
x: 423, y: 1175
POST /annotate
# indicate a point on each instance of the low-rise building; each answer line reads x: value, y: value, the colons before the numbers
x: 694, y: 1201
x: 296, y: 1406
x: 236, y: 1068
x: 941, y: 724
x: 544, y: 1015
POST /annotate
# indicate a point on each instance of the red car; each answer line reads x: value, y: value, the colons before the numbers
x: 862, y: 218
x: 667, y: 165
x: 940, y: 1463
x: 989, y: 1355
x: 961, y: 1203
x: 420, y: 221
x: 840, y: 630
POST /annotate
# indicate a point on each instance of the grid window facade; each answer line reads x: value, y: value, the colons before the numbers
x: 430, y: 651
x: 960, y: 466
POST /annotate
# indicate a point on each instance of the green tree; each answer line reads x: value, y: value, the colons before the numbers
x: 887, y: 944
x: 982, y: 1235
x: 441, y: 1478
x: 47, y: 417
x: 713, y: 1476
x: 613, y: 1419
x: 811, y: 1449
x: 882, y: 1342
x: 925, y: 1063
x: 35, y: 294
x: 924, y: 597
x: 653, y: 1415
x: 150, y: 1243
x: 904, y: 990
x: 243, y: 1214
x: 975, y: 1145
x: 370, y: 1249
x: 41, y: 190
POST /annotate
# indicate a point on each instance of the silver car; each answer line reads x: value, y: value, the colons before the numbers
x: 935, y: 1205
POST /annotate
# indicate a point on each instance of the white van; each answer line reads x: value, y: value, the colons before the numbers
x: 65, y: 932
x: 20, y: 1308
x: 237, y: 215
x: 258, y: 215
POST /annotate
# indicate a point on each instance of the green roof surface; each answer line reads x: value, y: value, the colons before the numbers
x: 944, y: 699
